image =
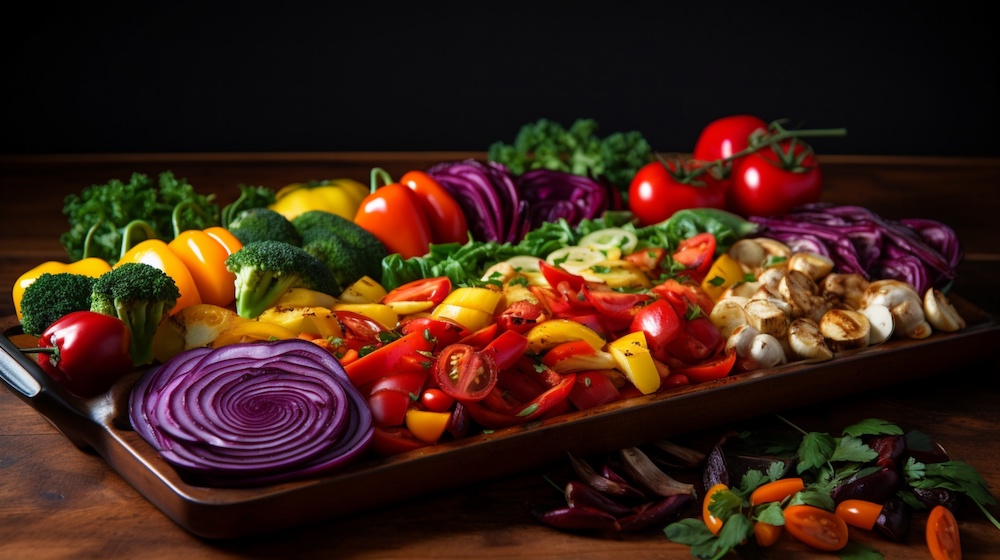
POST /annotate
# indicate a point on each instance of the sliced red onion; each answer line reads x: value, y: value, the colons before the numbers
x: 252, y: 413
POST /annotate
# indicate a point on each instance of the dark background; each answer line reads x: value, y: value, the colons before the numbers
x: 219, y: 76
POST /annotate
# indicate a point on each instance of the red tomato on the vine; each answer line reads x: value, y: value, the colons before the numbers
x: 773, y: 181
x: 661, y: 188
x: 727, y: 136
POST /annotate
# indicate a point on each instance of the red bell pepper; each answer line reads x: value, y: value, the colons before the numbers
x: 85, y: 352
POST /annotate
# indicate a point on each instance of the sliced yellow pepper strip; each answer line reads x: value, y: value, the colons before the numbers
x: 473, y: 297
x: 632, y: 357
x: 553, y: 332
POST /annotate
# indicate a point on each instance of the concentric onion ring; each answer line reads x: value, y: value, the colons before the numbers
x: 252, y: 413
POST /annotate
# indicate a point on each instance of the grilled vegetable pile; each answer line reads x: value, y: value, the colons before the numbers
x: 475, y: 296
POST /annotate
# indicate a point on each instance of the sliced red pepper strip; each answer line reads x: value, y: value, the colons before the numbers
x: 536, y: 409
x: 709, y: 370
x: 507, y: 348
x: 411, y: 347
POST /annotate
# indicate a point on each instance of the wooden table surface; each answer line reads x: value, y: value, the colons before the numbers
x: 57, y: 501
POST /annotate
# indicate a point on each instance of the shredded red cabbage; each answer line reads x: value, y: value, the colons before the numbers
x: 923, y: 252
x: 252, y: 413
x: 502, y: 207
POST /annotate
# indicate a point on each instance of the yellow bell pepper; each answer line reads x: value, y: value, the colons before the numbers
x: 631, y: 354
x: 364, y: 290
x: 473, y: 297
x: 304, y: 297
x: 192, y: 327
x: 250, y: 330
x: 338, y: 196
x: 90, y: 266
x: 725, y: 272
x: 472, y: 319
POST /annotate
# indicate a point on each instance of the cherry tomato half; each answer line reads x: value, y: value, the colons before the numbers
x: 816, y: 527
x: 464, y: 373
x: 942, y: 534
x: 696, y: 253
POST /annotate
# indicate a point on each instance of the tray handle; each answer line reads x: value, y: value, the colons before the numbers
x: 68, y: 413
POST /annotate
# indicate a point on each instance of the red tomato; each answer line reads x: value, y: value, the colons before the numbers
x: 773, y: 181
x: 436, y: 400
x: 359, y: 330
x: 705, y: 371
x: 726, y: 136
x: 556, y: 275
x: 660, y: 323
x: 394, y: 440
x: 389, y: 407
x: 520, y: 316
x: 426, y: 289
x: 696, y: 253
x: 816, y: 527
x: 445, y: 331
x: 699, y: 340
x: 593, y: 388
x: 614, y: 304
x: 465, y: 373
x: 661, y: 188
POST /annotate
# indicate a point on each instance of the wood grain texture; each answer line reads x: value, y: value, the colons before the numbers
x: 57, y: 501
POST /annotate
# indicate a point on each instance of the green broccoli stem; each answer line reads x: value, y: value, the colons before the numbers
x: 143, y: 320
x: 260, y: 291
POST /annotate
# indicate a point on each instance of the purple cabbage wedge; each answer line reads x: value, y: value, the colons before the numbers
x: 922, y: 252
x: 252, y: 414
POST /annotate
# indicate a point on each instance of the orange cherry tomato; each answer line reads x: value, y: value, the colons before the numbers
x: 713, y: 523
x: 766, y: 534
x: 942, y: 535
x: 859, y: 513
x: 447, y: 220
x: 818, y: 528
x: 776, y: 491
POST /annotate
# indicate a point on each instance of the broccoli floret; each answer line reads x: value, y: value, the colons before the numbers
x: 354, y: 252
x: 265, y: 270
x: 263, y: 224
x: 52, y: 296
x: 139, y: 294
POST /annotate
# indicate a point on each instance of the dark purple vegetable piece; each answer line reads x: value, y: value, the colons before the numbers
x: 922, y: 252
x: 894, y: 521
x: 876, y: 487
x: 581, y: 494
x: 730, y: 459
x: 552, y: 195
x: 931, y: 497
x: 656, y: 514
x: 489, y: 197
x: 580, y: 518
x: 253, y: 413
x: 460, y: 422
x: 891, y: 449
x: 615, y: 490
x: 607, y: 471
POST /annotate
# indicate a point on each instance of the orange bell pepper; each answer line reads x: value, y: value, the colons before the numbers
x: 205, y: 258
x: 396, y: 216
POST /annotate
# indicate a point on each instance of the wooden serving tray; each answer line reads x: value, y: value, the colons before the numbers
x: 102, y: 424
